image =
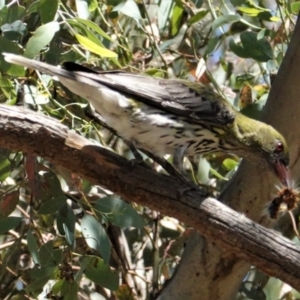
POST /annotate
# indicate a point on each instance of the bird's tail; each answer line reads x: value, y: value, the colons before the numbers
x: 36, y: 65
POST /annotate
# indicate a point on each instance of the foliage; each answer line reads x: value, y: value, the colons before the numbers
x: 60, y: 235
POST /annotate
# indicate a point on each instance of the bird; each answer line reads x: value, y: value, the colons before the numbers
x: 170, y: 116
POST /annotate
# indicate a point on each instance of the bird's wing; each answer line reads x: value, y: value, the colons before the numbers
x: 196, y: 102
x: 185, y: 99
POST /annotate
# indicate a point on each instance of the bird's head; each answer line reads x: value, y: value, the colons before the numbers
x: 263, y: 144
x: 275, y: 151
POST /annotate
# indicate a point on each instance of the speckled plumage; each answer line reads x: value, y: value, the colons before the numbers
x: 169, y: 116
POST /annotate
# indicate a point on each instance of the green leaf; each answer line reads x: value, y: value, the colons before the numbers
x: 56, y: 288
x: 93, y: 47
x: 38, y: 272
x: 66, y: 223
x: 51, y: 193
x: 129, y: 8
x: 46, y: 254
x: 238, y: 50
x: 176, y: 19
x: 12, y: 13
x: 36, y: 286
x: 82, y: 8
x: 69, y: 290
x: 93, y: 5
x: 212, y: 44
x: 8, y: 46
x: 295, y: 7
x: 266, y: 16
x: 259, y: 50
x: 33, y: 247
x: 5, y: 168
x: 119, y: 212
x: 91, y: 25
x: 96, y: 236
x: 250, y: 11
x: 217, y: 174
x: 33, y: 7
x: 163, y: 11
x: 53, y: 205
x: 9, y: 223
x: 41, y: 38
x: 15, y: 30
x: 50, y: 183
x: 230, y: 164
x: 227, y: 19
x: 84, y: 30
x: 197, y: 17
x: 7, y: 88
x: 48, y: 10
x: 100, y: 273
x: 251, y: 47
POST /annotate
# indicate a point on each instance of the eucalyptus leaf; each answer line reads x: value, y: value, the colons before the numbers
x: 33, y: 247
x: 129, y: 8
x: 9, y: 223
x: 48, y: 10
x: 99, y: 272
x: 41, y: 38
x: 119, y: 212
x: 93, y: 47
x: 5, y: 168
x: 96, y: 236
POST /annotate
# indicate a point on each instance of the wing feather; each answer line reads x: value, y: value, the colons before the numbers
x: 196, y: 103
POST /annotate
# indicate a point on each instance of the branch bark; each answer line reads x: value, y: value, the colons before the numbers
x: 233, y: 233
x: 249, y: 192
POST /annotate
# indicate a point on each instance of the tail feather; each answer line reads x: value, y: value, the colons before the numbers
x: 37, y: 65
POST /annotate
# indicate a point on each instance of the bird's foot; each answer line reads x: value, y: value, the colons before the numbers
x: 138, y: 158
x: 137, y: 161
x: 200, y: 191
x: 168, y: 167
x: 187, y: 187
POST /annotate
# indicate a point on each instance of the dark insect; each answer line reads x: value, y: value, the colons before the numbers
x: 286, y: 199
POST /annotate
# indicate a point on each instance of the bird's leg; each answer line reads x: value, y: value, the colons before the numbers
x: 178, y: 158
x: 175, y: 170
x: 165, y: 164
x: 138, y: 158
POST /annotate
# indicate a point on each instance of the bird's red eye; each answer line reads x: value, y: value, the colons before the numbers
x: 279, y: 147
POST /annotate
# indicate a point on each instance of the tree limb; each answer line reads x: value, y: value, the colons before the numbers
x: 235, y: 234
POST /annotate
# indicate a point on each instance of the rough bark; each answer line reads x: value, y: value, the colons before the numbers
x: 235, y: 234
x: 249, y: 192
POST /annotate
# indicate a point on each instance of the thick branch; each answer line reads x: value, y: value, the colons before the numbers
x: 30, y: 132
x: 249, y: 192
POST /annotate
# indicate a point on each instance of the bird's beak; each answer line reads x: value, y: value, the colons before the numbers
x: 283, y: 173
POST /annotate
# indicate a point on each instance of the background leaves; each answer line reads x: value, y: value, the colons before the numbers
x: 68, y: 238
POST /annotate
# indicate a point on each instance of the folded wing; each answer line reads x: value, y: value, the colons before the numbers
x: 195, y: 102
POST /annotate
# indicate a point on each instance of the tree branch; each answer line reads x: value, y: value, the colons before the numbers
x: 24, y: 130
x: 249, y: 192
